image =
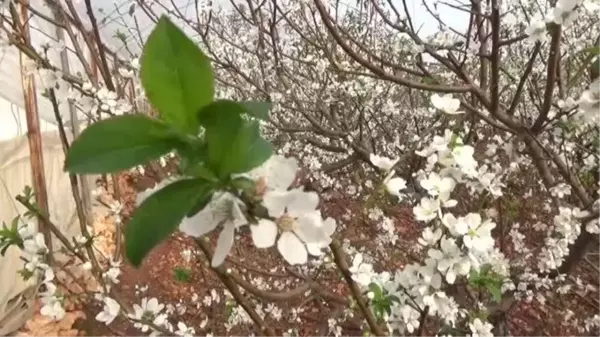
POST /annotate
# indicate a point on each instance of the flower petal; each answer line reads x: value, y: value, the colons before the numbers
x: 329, y: 226
x: 382, y: 162
x: 395, y: 185
x: 276, y: 202
x: 224, y: 244
x: 200, y: 223
x: 315, y: 249
x: 102, y: 316
x: 239, y: 219
x: 302, y: 202
x: 264, y: 233
x: 310, y: 227
x: 292, y: 249
x: 281, y: 172
x: 451, y: 276
x: 296, y: 202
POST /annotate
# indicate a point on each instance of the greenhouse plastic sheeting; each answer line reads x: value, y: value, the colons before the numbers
x: 16, y: 295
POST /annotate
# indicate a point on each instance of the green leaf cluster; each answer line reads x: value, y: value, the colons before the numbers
x: 488, y: 279
x: 213, y: 138
x: 9, y: 235
x: 381, y: 302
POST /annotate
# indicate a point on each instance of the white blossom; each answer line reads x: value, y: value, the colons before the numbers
x: 427, y: 210
x: 297, y: 220
x: 395, y: 185
x: 224, y: 209
x: 52, y: 307
x: 446, y: 103
x: 362, y: 272
x: 480, y: 328
x: 109, y: 312
x: 384, y: 163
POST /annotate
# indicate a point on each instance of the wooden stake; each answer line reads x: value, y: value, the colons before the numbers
x: 33, y: 127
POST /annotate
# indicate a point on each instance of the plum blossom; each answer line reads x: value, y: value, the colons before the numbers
x: 536, y: 31
x: 427, y: 210
x: 224, y: 209
x: 315, y: 248
x: 126, y: 73
x: 480, y: 328
x: 148, y: 310
x: 593, y: 227
x: 463, y: 156
x: 277, y: 173
x: 384, y: 163
x: 35, y: 245
x: 430, y: 237
x: 563, y: 13
x: 446, y: 103
x: 489, y: 181
x: 560, y: 190
x: 52, y: 307
x: 362, y: 272
x: 109, y: 312
x: 395, y: 185
x: 449, y: 260
x: 410, y: 317
x: 50, y: 290
x: 438, y: 186
x: 108, y: 99
x: 184, y: 330
x: 429, y: 276
x: 48, y: 275
x: 26, y: 230
x: 297, y: 220
x: 35, y: 262
x: 477, y: 235
x: 112, y: 274
x: 440, y: 303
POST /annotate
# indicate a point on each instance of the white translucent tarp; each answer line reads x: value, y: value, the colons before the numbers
x: 16, y: 295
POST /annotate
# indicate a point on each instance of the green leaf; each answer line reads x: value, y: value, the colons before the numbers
x: 244, y: 184
x: 494, y: 289
x: 4, y: 249
x: 119, y: 143
x: 193, y: 161
x: 394, y: 298
x: 388, y: 309
x: 376, y: 290
x: 15, y: 224
x: 176, y: 76
x: 192, y: 154
x: 27, y: 191
x: 182, y: 274
x: 160, y: 214
x: 257, y: 109
x: 592, y: 50
x: 204, y: 172
x: 200, y: 205
x: 234, y: 144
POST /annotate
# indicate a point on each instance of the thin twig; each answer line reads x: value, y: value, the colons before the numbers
x: 235, y: 291
x: 340, y: 260
x: 59, y: 235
